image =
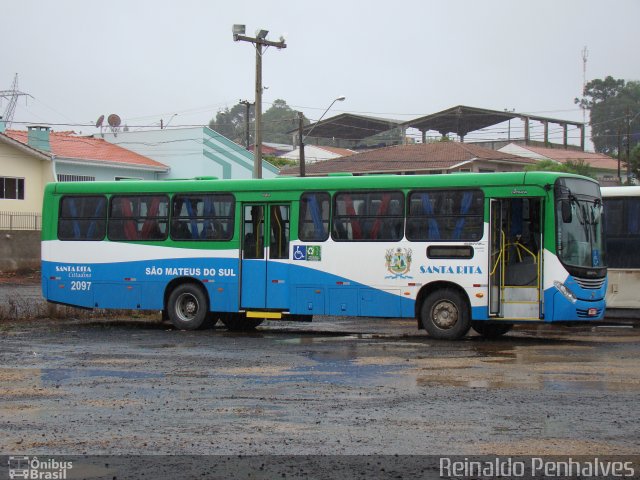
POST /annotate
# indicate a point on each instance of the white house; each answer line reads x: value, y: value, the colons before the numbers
x: 317, y: 153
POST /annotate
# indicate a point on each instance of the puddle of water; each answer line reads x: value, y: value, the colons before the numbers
x: 337, y: 366
x: 57, y: 375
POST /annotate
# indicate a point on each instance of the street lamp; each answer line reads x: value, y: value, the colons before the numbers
x: 258, y: 41
x: 302, y: 138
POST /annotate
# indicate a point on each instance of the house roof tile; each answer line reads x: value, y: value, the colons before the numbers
x: 417, y: 157
x: 69, y: 146
x: 562, y: 155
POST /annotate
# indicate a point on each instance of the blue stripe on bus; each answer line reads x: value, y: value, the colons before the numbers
x: 293, y: 287
x: 141, y: 284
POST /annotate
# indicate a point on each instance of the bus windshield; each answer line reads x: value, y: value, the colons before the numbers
x: 580, y: 240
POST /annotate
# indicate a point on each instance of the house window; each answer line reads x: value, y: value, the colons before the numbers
x: 485, y: 170
x: 117, y: 179
x: 65, y: 177
x: 12, y: 188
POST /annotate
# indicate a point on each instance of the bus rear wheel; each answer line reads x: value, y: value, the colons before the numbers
x: 238, y: 322
x: 445, y: 315
x: 491, y: 330
x: 187, y: 307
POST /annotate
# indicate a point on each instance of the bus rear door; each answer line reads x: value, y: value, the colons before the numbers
x: 515, y: 267
x: 265, y: 264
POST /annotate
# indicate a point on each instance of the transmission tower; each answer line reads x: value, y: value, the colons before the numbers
x: 12, y: 97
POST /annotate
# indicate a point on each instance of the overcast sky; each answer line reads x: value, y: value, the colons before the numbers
x: 148, y: 60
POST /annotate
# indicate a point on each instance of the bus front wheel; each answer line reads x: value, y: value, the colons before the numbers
x: 445, y: 315
x: 491, y: 330
x: 187, y: 307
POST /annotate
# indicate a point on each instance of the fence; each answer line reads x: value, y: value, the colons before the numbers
x: 20, y: 221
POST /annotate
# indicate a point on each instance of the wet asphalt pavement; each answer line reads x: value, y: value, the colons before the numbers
x: 335, y: 386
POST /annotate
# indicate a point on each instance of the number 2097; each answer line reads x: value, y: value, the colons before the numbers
x: 80, y: 286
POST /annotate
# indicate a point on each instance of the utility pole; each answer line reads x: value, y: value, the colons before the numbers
x: 628, y: 143
x: 619, y: 155
x: 247, y: 104
x: 259, y: 41
x: 585, y: 56
x: 301, y: 142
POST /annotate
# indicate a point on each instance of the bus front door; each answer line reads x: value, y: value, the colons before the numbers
x: 515, y: 278
x: 265, y: 256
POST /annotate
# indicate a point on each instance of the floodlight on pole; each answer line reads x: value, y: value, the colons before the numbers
x: 302, y: 138
x: 238, y: 30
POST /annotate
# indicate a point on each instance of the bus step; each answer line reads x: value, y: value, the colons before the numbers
x: 269, y: 315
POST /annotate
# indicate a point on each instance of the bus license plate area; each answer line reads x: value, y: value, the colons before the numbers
x: 592, y: 312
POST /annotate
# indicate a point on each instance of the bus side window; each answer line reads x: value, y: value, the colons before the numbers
x: 202, y: 217
x: 82, y: 218
x: 313, y: 219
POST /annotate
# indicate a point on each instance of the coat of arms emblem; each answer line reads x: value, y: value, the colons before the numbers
x: 398, y: 262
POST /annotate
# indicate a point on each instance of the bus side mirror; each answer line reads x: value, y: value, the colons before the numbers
x: 565, y: 208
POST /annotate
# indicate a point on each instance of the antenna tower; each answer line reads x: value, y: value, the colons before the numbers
x: 12, y: 97
x: 585, y: 55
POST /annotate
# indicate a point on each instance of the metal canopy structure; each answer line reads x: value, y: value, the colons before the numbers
x: 462, y: 119
x: 459, y: 120
x: 347, y: 126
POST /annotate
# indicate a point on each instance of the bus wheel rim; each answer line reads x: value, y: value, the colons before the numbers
x: 444, y: 315
x: 187, y: 307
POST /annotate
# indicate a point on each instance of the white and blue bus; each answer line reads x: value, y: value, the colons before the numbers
x: 455, y: 252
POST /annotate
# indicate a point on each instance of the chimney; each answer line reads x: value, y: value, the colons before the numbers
x: 38, y: 137
x: 3, y: 125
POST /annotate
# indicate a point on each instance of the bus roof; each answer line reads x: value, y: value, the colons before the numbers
x: 454, y: 180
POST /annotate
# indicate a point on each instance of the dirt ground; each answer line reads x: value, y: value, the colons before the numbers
x: 133, y: 385
x: 359, y: 387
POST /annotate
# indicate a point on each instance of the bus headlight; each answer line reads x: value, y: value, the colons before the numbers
x: 568, y: 294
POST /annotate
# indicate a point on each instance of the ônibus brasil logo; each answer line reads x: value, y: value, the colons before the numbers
x: 38, y: 469
x: 398, y: 262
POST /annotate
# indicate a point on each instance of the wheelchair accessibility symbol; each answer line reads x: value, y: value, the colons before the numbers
x: 310, y: 253
x: 299, y: 252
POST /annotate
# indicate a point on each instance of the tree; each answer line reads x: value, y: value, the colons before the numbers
x: 614, y: 109
x: 277, y: 121
x: 579, y: 167
x: 232, y: 123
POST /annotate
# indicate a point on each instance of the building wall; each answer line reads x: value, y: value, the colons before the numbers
x: 19, y: 250
x: 102, y: 173
x: 36, y: 173
x: 192, y: 152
